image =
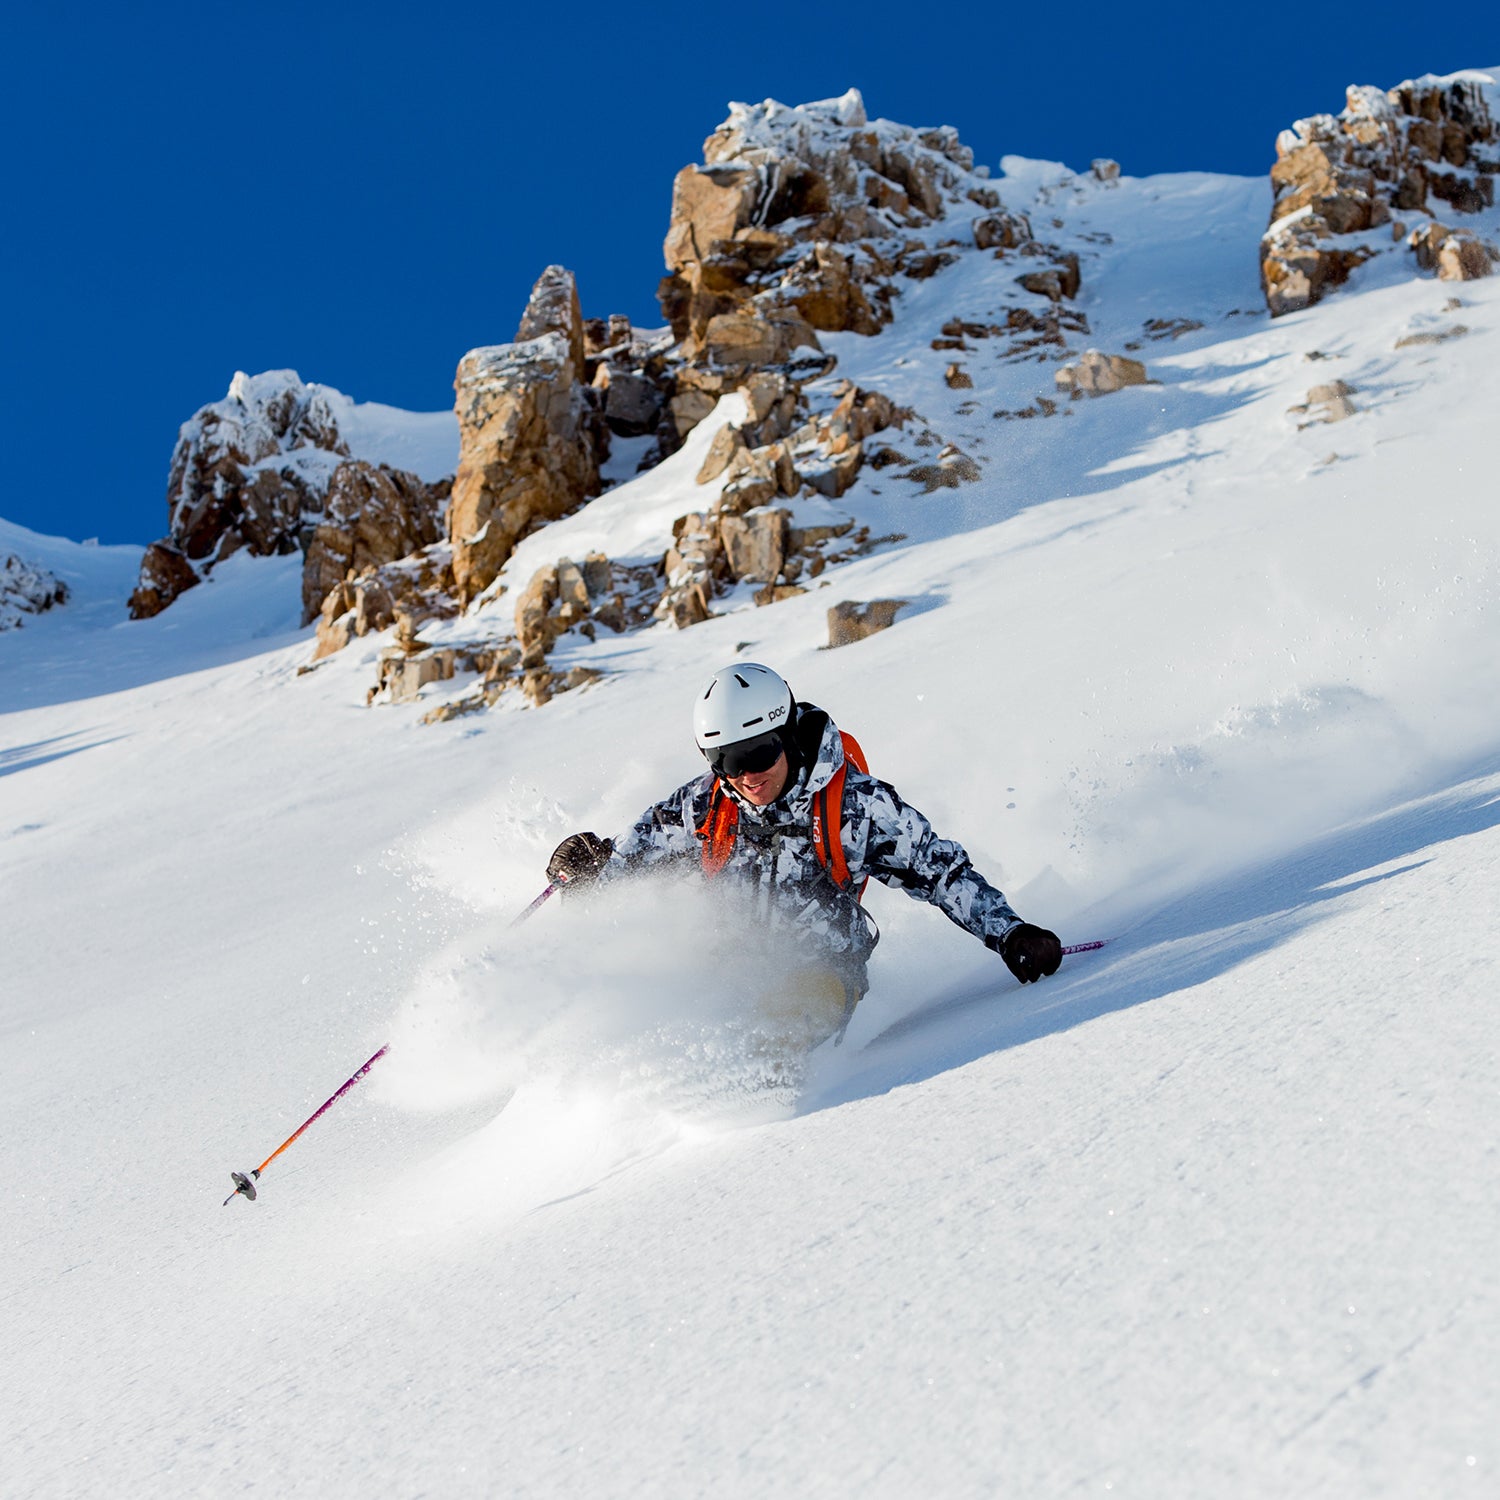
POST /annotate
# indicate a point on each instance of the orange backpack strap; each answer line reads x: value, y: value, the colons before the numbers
x: 828, y: 818
x: 716, y: 832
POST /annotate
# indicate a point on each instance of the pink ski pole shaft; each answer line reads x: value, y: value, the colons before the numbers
x: 244, y: 1182
x: 540, y: 902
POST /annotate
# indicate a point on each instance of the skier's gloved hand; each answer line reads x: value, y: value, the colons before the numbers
x: 1030, y: 952
x: 578, y: 859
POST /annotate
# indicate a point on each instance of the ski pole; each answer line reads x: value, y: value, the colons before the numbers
x: 541, y: 901
x: 1084, y: 947
x: 244, y: 1182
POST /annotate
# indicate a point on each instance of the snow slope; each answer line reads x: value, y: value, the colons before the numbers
x: 1210, y: 1212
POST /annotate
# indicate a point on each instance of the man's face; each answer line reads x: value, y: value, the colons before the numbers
x: 762, y: 788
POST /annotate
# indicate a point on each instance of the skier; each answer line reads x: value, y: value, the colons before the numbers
x: 788, y: 811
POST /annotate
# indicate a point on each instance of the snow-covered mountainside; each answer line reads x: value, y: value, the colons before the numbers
x: 1205, y: 665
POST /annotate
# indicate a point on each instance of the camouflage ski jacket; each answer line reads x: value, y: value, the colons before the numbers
x: 774, y: 859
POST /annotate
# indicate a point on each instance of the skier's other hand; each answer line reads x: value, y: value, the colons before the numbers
x: 578, y: 859
x: 1030, y: 952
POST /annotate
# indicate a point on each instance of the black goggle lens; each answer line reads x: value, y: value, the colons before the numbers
x: 747, y: 757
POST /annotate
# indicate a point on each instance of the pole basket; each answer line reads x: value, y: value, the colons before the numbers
x: 242, y: 1184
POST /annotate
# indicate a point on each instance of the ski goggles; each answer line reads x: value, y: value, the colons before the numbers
x: 745, y: 757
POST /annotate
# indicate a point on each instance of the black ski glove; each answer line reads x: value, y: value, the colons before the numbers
x: 578, y: 859
x: 1030, y: 952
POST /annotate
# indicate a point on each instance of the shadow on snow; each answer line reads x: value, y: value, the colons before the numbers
x: 15, y: 758
x: 1194, y: 940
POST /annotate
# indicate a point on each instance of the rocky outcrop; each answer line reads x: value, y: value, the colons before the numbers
x: 751, y: 533
x: 796, y: 222
x: 1097, y: 374
x: 414, y: 589
x: 26, y: 589
x: 247, y: 472
x: 373, y: 515
x: 528, y: 435
x: 561, y: 599
x: 252, y: 472
x: 582, y: 596
x: 1339, y: 177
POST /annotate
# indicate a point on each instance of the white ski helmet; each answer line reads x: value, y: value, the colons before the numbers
x: 741, y: 702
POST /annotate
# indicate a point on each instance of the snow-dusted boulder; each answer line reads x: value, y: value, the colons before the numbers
x: 1339, y: 177
x: 1096, y: 374
x: 856, y: 620
x: 1454, y: 254
x: 26, y: 589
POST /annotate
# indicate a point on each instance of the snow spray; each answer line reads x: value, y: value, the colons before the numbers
x: 244, y: 1182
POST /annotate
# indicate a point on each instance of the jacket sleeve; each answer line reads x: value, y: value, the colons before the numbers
x: 665, y: 833
x: 901, y: 849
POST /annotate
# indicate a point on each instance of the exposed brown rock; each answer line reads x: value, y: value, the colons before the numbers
x: 709, y: 204
x: 632, y: 400
x: 1465, y: 257
x: 727, y: 442
x: 744, y: 537
x: 1440, y: 336
x: 553, y: 308
x: 1338, y: 176
x: 688, y: 408
x: 1059, y: 280
x: 853, y: 621
x: 526, y: 448
x: 165, y: 574
x: 822, y: 287
x: 836, y: 474
x: 561, y: 597
x: 790, y: 210
x: 1097, y: 374
x: 373, y: 515
x: 1300, y: 263
x: 1001, y: 231
x: 416, y: 588
x: 755, y: 544
x: 1329, y: 402
x: 953, y: 468
x: 403, y: 674
x: 245, y: 472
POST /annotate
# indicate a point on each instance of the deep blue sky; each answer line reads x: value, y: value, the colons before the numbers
x: 363, y: 192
